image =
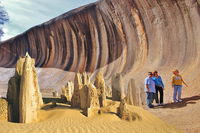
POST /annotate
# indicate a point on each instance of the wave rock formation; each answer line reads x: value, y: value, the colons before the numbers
x: 125, y: 37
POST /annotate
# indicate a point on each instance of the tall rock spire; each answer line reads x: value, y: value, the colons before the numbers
x: 25, y: 90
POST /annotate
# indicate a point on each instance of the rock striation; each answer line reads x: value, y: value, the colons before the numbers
x: 23, y: 94
x: 129, y: 32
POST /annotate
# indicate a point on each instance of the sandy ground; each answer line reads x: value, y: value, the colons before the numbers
x: 3, y: 110
x: 184, y: 116
x: 63, y: 119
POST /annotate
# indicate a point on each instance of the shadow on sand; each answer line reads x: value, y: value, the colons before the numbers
x: 52, y: 107
x: 185, y: 102
x: 53, y: 103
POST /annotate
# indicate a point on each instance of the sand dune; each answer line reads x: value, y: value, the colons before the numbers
x: 63, y: 119
x: 184, y: 116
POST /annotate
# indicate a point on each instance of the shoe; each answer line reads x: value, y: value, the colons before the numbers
x: 162, y: 104
x: 176, y: 101
x: 158, y: 104
x: 180, y: 100
x: 151, y: 106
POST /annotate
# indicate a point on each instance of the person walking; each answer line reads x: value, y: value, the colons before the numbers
x: 159, y: 87
x: 177, y: 82
x: 149, y: 89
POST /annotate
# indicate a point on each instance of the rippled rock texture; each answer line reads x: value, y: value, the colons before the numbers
x: 119, y: 36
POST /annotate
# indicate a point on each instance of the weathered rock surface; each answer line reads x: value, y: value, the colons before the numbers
x: 99, y: 83
x: 108, y: 91
x: 117, y: 87
x: 67, y: 91
x: 91, y: 105
x: 23, y: 94
x: 13, y: 92
x: 30, y: 98
x: 78, y: 97
x: 86, y: 96
x: 85, y: 78
x: 133, y: 96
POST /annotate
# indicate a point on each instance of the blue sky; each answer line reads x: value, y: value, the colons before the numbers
x: 25, y: 14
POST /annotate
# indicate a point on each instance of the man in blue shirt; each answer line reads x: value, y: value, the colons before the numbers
x: 149, y: 89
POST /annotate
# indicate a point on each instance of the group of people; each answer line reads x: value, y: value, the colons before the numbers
x: 154, y: 86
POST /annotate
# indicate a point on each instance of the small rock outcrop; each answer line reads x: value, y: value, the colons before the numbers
x: 83, y: 90
x: 80, y: 80
x: 91, y: 105
x: 99, y: 83
x: 108, y: 91
x: 23, y: 94
x: 125, y: 114
x: 86, y: 95
x: 117, y: 87
x: 67, y: 91
x: 76, y: 100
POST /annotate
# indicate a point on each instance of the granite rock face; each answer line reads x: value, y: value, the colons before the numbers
x: 24, y: 97
x: 125, y: 33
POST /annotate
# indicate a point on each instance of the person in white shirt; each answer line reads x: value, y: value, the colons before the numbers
x: 149, y: 89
